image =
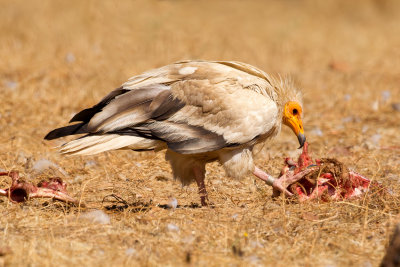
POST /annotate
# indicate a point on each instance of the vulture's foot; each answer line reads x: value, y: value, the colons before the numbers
x: 280, y: 185
x: 205, y: 202
x: 20, y: 190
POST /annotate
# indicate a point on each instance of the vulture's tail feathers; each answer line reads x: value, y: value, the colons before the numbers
x: 94, y: 144
x: 78, y: 128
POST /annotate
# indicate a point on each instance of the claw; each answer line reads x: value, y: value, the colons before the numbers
x: 287, y: 179
x: 277, y: 185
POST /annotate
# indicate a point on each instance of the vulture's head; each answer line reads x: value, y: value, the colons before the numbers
x: 292, y: 112
x: 290, y: 103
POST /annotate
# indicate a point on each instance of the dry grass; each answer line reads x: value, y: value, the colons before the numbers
x: 58, y: 57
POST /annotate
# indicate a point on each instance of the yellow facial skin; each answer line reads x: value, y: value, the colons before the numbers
x: 292, y: 118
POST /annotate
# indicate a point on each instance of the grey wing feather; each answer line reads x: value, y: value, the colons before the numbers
x: 184, y: 138
x: 129, y: 109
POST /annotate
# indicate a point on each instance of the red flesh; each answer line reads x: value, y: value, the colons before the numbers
x: 327, y: 187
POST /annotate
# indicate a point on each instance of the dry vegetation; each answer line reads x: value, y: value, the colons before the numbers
x: 58, y: 57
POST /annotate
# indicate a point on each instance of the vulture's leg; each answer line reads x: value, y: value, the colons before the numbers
x: 199, y: 175
x: 282, y: 182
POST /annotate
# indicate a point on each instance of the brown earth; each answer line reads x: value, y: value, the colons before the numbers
x: 58, y: 57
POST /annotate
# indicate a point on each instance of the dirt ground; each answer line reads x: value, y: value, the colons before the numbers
x: 58, y: 57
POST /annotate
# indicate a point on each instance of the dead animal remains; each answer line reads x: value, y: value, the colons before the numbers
x: 329, y: 179
x: 21, y: 190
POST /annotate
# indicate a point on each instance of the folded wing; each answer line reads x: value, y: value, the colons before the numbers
x: 191, y: 107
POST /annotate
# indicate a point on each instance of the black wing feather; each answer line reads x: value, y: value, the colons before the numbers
x: 86, y: 114
x: 78, y: 128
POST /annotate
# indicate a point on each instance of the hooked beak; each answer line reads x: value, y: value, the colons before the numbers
x: 302, y: 139
x: 295, y: 123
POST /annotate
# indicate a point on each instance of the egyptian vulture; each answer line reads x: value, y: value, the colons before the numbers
x: 199, y: 111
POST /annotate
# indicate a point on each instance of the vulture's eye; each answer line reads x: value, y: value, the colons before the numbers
x: 295, y: 112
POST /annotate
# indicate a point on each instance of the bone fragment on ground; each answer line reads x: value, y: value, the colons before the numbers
x: 20, y: 190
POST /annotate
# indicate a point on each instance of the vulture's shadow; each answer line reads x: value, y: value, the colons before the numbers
x: 117, y: 203
x: 190, y: 206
